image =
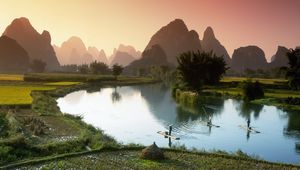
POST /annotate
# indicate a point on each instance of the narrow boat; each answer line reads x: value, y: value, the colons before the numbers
x: 209, y: 124
x: 165, y: 134
x: 249, y: 129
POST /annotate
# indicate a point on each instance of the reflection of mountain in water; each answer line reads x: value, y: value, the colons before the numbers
x: 159, y: 102
x: 162, y: 106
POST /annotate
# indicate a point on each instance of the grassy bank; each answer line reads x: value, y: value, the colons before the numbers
x: 128, y: 158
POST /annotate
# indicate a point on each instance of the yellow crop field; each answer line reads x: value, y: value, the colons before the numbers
x: 11, y: 77
x: 63, y: 83
x: 18, y: 95
x: 261, y: 80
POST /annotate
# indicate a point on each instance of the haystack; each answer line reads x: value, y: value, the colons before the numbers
x: 152, y: 152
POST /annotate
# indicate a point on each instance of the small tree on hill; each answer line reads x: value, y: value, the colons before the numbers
x: 198, y: 68
x: 38, y: 66
x: 117, y: 70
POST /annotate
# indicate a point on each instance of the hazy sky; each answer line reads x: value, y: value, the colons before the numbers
x: 107, y: 23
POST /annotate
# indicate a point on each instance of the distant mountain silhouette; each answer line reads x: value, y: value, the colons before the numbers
x: 122, y: 58
x: 280, y: 59
x: 37, y: 45
x: 175, y: 38
x: 102, y: 57
x: 79, y: 59
x: 250, y: 57
x: 98, y: 55
x: 154, y: 56
x: 130, y: 50
x: 210, y: 43
x: 13, y: 57
x: 74, y: 51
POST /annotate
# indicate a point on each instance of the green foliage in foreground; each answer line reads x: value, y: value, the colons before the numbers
x: 4, y: 125
x: 24, y: 146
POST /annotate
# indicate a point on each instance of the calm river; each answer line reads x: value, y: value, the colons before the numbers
x: 134, y: 114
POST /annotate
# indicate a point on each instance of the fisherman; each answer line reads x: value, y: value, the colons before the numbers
x: 170, y: 130
x: 209, y: 122
x: 248, y: 124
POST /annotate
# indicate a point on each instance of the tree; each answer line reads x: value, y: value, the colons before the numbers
x: 293, y: 71
x: 83, y: 69
x: 99, y: 67
x: 38, y: 66
x: 252, y: 91
x: 117, y: 70
x: 199, y: 68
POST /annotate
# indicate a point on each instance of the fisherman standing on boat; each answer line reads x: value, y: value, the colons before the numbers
x: 248, y: 124
x: 209, y: 122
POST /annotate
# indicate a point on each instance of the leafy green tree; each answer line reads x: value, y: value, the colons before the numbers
x: 99, y: 68
x: 117, y: 70
x: 38, y: 66
x: 252, y: 91
x: 198, y: 68
x: 293, y: 71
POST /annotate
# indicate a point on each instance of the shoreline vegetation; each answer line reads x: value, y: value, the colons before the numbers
x: 38, y: 134
x: 276, y: 93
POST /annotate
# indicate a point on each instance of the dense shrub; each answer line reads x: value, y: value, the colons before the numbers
x: 4, y: 125
x: 292, y: 101
x: 252, y: 91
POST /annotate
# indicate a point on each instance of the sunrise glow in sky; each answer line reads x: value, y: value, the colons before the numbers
x: 107, y: 23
